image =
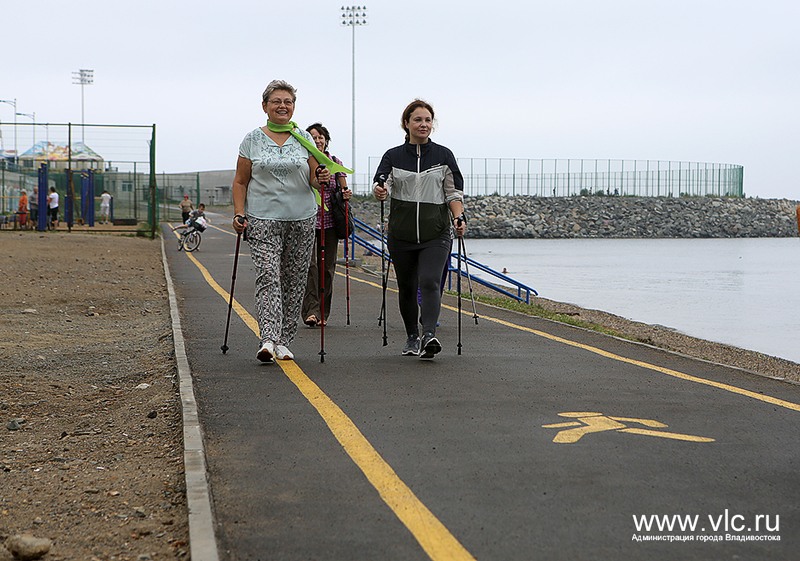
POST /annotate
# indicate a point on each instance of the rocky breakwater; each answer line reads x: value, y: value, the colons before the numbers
x: 630, y: 217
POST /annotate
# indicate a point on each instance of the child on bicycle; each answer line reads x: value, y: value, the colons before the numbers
x: 197, y: 218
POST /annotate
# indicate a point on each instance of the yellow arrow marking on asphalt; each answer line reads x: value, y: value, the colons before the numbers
x: 590, y: 422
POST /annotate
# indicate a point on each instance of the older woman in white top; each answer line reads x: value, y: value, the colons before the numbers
x: 274, y: 201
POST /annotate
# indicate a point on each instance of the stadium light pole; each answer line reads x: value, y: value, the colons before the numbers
x: 354, y: 16
x: 13, y: 102
x: 32, y: 116
x: 83, y: 77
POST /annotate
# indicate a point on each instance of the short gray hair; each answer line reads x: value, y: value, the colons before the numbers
x: 276, y: 85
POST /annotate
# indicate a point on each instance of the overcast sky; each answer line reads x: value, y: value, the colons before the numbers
x: 690, y: 80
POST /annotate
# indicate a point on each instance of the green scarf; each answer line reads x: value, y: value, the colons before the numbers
x: 292, y: 128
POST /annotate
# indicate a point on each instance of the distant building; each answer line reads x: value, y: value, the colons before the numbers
x: 57, y: 156
x: 7, y: 156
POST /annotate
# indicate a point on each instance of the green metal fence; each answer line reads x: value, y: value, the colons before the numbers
x: 571, y: 177
x: 171, y: 189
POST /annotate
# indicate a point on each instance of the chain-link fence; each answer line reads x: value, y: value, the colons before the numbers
x: 571, y: 177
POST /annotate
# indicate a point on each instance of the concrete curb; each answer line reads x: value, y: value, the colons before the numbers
x: 202, y: 538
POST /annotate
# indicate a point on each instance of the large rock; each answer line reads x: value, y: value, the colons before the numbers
x: 620, y: 217
x: 28, y: 548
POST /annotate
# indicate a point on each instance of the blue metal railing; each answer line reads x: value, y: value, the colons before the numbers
x: 370, y: 246
x: 365, y: 236
x: 523, y: 291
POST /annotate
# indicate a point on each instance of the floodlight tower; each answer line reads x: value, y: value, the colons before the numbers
x: 354, y: 16
x: 83, y: 77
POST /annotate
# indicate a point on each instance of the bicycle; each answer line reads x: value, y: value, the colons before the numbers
x: 189, y: 239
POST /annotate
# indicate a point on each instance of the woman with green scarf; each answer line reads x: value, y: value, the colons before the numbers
x: 275, y: 193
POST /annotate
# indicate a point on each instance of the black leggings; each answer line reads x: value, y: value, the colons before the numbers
x: 419, y: 266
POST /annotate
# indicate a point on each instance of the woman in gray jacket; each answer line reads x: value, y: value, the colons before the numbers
x: 426, y: 189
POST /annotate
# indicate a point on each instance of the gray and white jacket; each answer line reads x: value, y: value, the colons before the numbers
x: 422, y: 179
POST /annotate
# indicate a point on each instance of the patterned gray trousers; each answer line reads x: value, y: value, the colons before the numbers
x: 281, y: 252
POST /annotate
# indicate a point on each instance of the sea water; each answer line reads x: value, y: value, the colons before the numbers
x: 743, y: 291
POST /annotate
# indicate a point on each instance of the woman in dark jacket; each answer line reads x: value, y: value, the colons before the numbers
x: 426, y: 189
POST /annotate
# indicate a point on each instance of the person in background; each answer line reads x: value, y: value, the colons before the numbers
x: 186, y: 207
x: 311, y: 302
x: 22, y: 210
x: 33, y: 204
x: 274, y: 201
x: 52, y: 207
x: 426, y: 188
x: 105, y: 206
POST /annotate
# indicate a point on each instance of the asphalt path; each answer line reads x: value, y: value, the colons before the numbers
x: 538, y: 441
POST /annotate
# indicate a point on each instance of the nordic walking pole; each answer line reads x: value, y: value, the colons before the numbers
x: 469, y: 280
x: 346, y: 257
x: 384, y: 269
x: 458, y: 288
x: 224, y: 346
x: 321, y: 268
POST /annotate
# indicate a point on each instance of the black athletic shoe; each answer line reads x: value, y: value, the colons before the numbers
x: 430, y: 346
x: 412, y: 346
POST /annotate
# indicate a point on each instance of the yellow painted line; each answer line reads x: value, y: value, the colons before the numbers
x: 613, y: 356
x: 668, y: 371
x: 370, y: 283
x: 434, y: 538
x: 432, y: 535
x: 223, y: 230
x: 672, y: 435
x: 240, y: 310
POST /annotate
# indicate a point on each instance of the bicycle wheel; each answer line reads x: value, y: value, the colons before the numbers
x: 192, y: 241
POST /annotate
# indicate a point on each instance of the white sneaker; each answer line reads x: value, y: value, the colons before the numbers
x: 266, y: 352
x: 283, y: 353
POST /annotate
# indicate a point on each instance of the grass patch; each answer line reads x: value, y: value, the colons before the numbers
x: 539, y: 311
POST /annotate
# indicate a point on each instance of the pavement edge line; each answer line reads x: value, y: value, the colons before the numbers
x: 646, y: 365
x: 202, y: 537
x: 613, y: 356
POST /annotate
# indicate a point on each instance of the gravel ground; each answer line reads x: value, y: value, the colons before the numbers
x: 90, y: 420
